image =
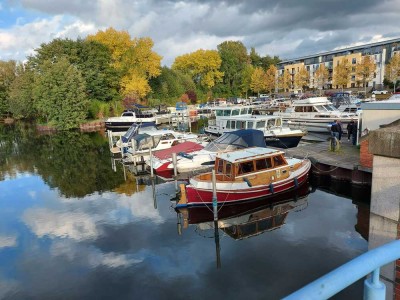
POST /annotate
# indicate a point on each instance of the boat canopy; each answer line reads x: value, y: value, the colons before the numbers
x: 238, y: 139
x: 134, y: 129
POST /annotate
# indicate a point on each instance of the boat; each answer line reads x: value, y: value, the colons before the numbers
x: 244, y: 220
x: 275, y: 134
x: 155, y: 140
x: 245, y: 175
x: 314, y: 114
x: 129, y: 117
x: 205, y: 158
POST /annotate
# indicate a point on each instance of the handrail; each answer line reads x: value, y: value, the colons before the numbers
x: 338, y: 279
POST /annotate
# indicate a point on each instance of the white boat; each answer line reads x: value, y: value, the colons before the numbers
x: 128, y: 118
x: 188, y: 161
x: 314, y: 114
x: 275, y: 134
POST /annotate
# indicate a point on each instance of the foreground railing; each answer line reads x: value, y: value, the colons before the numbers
x: 340, y: 278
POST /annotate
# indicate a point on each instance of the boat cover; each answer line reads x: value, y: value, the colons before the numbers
x: 134, y: 130
x: 238, y: 139
x: 185, y: 147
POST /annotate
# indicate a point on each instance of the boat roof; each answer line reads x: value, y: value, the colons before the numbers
x: 251, y: 118
x: 248, y: 153
x: 186, y: 147
x: 315, y: 100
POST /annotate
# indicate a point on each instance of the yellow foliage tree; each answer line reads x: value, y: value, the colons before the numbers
x: 202, y: 65
x: 284, y: 81
x: 365, y: 69
x: 257, y: 84
x: 321, y: 76
x: 134, y: 58
x: 271, y: 77
x: 301, y: 78
x: 393, y: 70
x: 341, y: 73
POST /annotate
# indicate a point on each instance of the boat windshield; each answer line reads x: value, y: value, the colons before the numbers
x: 271, y: 123
x: 330, y: 107
x: 321, y: 108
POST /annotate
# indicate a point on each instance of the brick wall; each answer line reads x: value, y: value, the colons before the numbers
x: 365, y: 157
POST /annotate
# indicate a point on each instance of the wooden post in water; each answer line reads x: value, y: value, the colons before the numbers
x: 175, y: 171
x: 214, y: 197
x: 217, y: 246
x: 179, y: 224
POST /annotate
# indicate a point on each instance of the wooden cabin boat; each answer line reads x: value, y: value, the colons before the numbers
x: 244, y: 175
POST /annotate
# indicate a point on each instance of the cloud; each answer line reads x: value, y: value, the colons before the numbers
x: 8, y: 241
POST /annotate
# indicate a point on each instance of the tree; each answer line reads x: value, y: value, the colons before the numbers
x: 284, y: 81
x: 21, y: 100
x: 255, y: 58
x: 234, y: 59
x: 341, y: 73
x: 301, y: 78
x: 59, y: 94
x: 202, y: 65
x: 393, y: 70
x: 365, y: 70
x: 321, y: 76
x: 247, y: 72
x: 7, y: 76
x: 271, y: 78
x: 257, y: 84
x: 184, y: 98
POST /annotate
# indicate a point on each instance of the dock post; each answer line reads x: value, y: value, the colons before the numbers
x: 109, y: 135
x: 214, y: 197
x: 153, y: 187
x: 151, y: 164
x: 175, y: 171
x: 179, y: 223
x: 217, y: 245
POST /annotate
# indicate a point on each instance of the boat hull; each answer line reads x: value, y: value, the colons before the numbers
x: 196, y: 196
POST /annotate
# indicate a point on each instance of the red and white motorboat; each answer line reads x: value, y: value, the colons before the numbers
x: 244, y: 175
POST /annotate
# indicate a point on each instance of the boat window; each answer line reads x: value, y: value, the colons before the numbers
x: 246, y: 167
x: 330, y: 107
x: 250, y: 110
x: 228, y: 124
x: 168, y: 136
x: 220, y: 167
x: 260, y: 124
x: 127, y: 114
x: 227, y: 113
x: 263, y: 164
x: 235, y: 112
x: 298, y: 109
x: 240, y: 125
x: 250, y: 125
x: 228, y: 169
x: 232, y: 124
x: 320, y: 108
x: 243, y: 111
x: 278, y: 122
x: 271, y: 123
x: 278, y: 160
x: 219, y: 113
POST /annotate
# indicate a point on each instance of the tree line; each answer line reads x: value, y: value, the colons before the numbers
x: 69, y: 81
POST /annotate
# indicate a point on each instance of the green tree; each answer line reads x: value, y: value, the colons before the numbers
x: 257, y: 84
x: 202, y: 65
x: 247, y: 72
x: 59, y: 94
x: 234, y: 60
x: 21, y: 100
x: 7, y: 76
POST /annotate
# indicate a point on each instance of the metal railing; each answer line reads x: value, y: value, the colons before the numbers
x: 340, y: 278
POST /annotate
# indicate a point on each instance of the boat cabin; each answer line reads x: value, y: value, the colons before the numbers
x: 233, y: 111
x: 260, y: 122
x: 253, y: 165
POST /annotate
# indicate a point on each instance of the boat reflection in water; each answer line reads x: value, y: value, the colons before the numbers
x: 241, y: 221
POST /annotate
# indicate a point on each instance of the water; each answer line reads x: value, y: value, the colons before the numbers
x: 72, y: 228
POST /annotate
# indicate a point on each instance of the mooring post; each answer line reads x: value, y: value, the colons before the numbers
x: 153, y: 187
x: 110, y: 142
x: 175, y: 171
x: 151, y: 164
x: 214, y: 197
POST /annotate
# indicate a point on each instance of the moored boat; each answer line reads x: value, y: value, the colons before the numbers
x: 244, y: 175
x: 128, y: 118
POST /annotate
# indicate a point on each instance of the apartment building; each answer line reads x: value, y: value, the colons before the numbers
x: 381, y: 52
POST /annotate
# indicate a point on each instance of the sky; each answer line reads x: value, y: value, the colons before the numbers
x: 286, y: 28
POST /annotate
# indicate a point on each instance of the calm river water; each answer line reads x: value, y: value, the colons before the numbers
x: 73, y: 228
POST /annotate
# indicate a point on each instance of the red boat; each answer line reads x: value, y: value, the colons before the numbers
x: 245, y: 175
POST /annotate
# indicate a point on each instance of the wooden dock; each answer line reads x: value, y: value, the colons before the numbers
x: 343, y: 164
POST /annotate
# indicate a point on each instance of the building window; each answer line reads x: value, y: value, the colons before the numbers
x: 353, y: 77
x: 353, y: 69
x: 354, y: 61
x: 353, y: 85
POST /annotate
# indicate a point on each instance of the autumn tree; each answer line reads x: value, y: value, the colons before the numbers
x: 284, y: 81
x: 271, y: 78
x: 321, y: 77
x: 247, y: 72
x: 393, y: 70
x: 133, y: 58
x: 341, y: 73
x: 184, y: 98
x: 365, y: 70
x: 257, y: 84
x: 202, y: 65
x: 301, y: 78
